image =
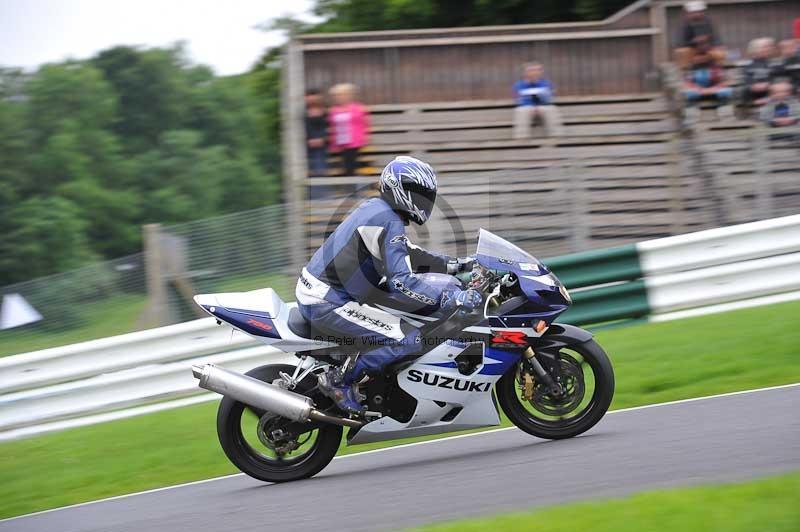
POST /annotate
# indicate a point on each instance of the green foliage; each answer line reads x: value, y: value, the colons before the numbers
x: 366, y: 15
x: 152, y: 90
x: 44, y: 235
x: 90, y: 150
x: 265, y: 82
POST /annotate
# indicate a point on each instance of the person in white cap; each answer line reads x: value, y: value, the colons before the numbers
x: 697, y: 28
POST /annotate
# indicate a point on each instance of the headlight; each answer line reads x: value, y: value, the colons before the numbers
x: 564, y: 292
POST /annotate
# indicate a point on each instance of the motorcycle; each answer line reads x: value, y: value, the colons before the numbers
x: 552, y: 380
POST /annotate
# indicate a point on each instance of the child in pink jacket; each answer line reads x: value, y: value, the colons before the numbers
x: 348, y: 126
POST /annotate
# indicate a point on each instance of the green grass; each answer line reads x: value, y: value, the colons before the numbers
x: 766, y: 505
x: 738, y: 350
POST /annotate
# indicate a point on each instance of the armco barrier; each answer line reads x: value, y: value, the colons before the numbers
x: 123, y: 388
x: 153, y: 346
x: 682, y: 272
x: 758, y: 261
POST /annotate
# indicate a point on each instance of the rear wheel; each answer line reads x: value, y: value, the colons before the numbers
x: 587, y: 383
x: 271, y: 448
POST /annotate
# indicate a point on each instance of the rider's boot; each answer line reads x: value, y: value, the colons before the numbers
x: 341, y: 387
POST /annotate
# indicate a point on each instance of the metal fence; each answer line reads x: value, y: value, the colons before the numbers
x: 234, y: 252
x: 230, y: 253
x: 101, y: 299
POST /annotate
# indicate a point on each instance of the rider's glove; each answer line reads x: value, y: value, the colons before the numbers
x: 461, y: 264
x: 467, y: 299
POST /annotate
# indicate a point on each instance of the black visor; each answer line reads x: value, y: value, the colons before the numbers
x: 422, y: 197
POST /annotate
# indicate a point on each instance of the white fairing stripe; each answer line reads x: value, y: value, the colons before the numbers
x: 397, y: 312
x: 312, y: 291
x: 406, y: 316
x: 372, y: 319
x: 371, y: 236
x: 547, y: 279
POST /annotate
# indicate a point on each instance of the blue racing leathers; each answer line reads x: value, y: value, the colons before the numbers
x: 365, y: 266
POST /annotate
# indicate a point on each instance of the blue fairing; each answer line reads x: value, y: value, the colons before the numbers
x: 249, y: 321
x: 543, y: 290
x: 497, y: 361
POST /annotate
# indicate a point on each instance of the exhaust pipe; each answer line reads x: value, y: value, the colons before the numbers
x: 264, y: 395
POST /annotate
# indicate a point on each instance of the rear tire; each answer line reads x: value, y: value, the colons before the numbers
x: 554, y: 429
x: 259, y: 466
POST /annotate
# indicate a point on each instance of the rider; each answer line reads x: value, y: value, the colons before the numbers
x: 369, y: 264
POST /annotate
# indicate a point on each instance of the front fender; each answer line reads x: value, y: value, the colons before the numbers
x: 560, y: 335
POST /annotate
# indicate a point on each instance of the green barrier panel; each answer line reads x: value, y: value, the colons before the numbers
x: 597, y: 266
x: 608, y: 303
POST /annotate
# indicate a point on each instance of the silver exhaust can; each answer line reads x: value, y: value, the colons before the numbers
x: 254, y: 392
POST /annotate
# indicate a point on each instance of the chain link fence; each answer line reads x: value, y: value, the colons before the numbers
x: 98, y: 300
x: 231, y: 253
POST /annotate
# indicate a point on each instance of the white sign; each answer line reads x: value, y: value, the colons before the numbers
x: 16, y: 312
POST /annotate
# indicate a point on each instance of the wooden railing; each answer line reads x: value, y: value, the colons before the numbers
x: 472, y: 70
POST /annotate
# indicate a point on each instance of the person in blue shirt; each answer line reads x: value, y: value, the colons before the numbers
x: 363, y: 281
x: 782, y: 109
x: 534, y: 97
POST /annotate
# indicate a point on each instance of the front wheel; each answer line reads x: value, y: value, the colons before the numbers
x: 587, y: 382
x: 271, y: 448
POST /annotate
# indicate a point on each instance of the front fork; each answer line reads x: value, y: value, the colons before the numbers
x: 533, y: 369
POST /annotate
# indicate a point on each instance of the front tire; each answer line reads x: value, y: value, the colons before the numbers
x: 542, y: 417
x: 236, y: 425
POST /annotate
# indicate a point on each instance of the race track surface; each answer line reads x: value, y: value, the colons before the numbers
x: 727, y: 438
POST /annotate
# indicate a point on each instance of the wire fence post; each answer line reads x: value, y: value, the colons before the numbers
x: 295, y: 165
x: 762, y: 183
x: 156, y: 312
x: 579, y: 236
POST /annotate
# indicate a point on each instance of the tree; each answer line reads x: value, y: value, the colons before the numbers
x: 152, y: 91
x: 265, y: 83
x: 111, y: 216
x: 366, y: 15
x: 45, y: 235
x: 71, y: 91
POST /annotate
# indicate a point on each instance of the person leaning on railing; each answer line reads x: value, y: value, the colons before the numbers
x: 697, y: 29
x: 782, y: 109
x: 348, y: 126
x: 788, y: 65
x: 759, y: 72
x: 705, y: 81
x: 316, y: 133
x: 534, y: 98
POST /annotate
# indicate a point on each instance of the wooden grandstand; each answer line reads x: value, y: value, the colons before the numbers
x: 624, y: 170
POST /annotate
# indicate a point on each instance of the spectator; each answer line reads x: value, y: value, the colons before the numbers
x: 534, y: 97
x: 788, y: 67
x: 758, y: 73
x: 782, y: 109
x: 705, y: 81
x: 697, y: 29
x: 316, y: 134
x: 348, y: 121
x: 797, y: 28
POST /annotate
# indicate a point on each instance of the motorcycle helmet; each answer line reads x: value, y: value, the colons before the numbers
x: 409, y: 186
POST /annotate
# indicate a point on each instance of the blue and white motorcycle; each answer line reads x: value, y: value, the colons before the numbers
x: 551, y: 380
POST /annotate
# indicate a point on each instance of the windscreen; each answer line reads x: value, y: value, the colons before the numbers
x: 493, y: 246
